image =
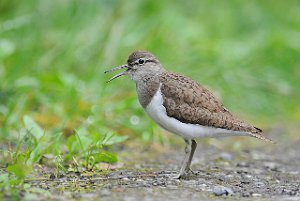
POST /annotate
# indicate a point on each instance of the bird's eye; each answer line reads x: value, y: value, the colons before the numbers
x: 141, y: 61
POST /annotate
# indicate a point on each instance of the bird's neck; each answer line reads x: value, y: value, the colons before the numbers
x: 146, y: 88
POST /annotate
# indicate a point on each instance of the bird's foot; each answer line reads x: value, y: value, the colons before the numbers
x: 178, y: 176
x: 187, y: 174
x: 192, y: 172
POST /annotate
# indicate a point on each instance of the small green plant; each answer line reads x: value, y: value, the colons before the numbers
x: 29, y: 149
x: 91, y: 150
x: 84, y: 151
x: 59, y: 163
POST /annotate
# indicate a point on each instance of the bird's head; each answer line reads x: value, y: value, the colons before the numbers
x: 139, y: 64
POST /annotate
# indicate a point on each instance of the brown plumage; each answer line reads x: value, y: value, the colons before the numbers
x: 189, y: 102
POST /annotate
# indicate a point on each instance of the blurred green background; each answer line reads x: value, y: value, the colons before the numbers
x: 53, y: 55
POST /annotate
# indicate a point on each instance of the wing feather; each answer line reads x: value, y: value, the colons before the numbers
x: 189, y: 102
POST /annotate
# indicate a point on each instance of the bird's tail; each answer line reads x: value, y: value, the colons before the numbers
x: 257, y: 134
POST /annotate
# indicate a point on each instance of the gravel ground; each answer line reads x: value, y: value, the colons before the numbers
x: 264, y: 173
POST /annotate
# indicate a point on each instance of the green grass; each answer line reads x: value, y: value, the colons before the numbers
x: 53, y: 55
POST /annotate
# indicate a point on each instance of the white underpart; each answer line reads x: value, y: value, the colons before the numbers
x: 158, y: 113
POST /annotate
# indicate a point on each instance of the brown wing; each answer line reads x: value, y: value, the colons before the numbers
x: 189, y: 102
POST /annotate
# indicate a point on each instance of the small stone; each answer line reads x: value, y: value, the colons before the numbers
x: 242, y: 164
x: 222, y: 190
x: 201, y: 187
x: 288, y: 192
x: 256, y: 195
x: 226, y: 156
x: 245, y: 194
x: 259, y: 184
x: 271, y: 166
x: 158, y: 183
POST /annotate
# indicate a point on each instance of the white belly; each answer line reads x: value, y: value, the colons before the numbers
x: 157, y: 112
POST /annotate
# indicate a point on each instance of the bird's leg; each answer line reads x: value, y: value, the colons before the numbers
x: 185, y: 163
x: 193, y: 148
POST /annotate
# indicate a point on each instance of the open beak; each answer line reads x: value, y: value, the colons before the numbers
x: 118, y: 75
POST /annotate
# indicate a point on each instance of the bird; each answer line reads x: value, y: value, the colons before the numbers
x: 181, y: 105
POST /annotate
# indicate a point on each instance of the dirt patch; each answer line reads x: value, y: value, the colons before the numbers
x: 270, y: 173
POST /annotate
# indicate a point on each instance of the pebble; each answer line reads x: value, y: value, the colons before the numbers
x: 242, y: 164
x: 259, y: 184
x: 271, y: 166
x: 226, y: 156
x: 256, y: 195
x: 245, y: 194
x: 201, y: 187
x: 125, y: 179
x: 222, y: 190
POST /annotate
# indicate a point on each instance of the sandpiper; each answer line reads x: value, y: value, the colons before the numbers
x: 181, y: 105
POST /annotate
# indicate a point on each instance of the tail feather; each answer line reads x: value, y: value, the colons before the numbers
x: 257, y: 134
x: 258, y: 129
